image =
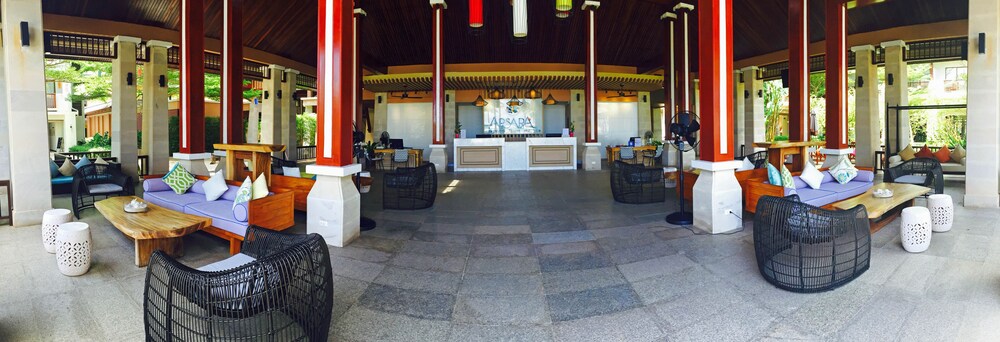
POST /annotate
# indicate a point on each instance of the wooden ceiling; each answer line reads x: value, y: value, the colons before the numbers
x: 398, y: 32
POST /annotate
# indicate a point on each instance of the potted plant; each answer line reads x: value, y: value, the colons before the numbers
x: 458, y: 129
x: 572, y: 128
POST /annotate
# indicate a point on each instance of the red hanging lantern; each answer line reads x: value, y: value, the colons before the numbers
x: 475, y: 13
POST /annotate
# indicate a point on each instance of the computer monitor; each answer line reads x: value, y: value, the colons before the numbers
x: 396, y: 143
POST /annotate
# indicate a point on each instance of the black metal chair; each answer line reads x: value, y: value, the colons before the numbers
x: 653, y: 158
x: 95, y: 181
x: 636, y: 184
x: 278, y: 163
x: 919, y: 171
x: 282, y: 291
x: 410, y: 188
x: 759, y: 159
x: 802, y: 248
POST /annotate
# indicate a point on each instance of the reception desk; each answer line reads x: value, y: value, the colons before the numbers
x: 498, y: 154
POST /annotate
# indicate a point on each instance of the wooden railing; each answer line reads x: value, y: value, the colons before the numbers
x: 305, y: 152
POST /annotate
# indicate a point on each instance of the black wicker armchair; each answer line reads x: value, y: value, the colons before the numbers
x: 919, y: 171
x: 99, y: 181
x: 280, y: 288
x: 759, y: 159
x: 636, y: 184
x: 410, y: 188
x: 802, y: 248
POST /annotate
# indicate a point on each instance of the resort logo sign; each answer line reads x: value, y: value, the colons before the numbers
x: 501, y: 118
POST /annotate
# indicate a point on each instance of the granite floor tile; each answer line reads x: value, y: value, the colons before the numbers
x: 588, y: 303
x: 501, y: 284
x: 436, y: 248
x: 424, y: 262
x: 514, y: 229
x: 501, y: 239
x: 474, y: 332
x: 511, y: 265
x: 441, y: 237
x: 377, y: 243
x: 362, y: 254
x: 510, y: 310
x: 503, y: 251
x: 652, y: 268
x: 567, y: 248
x: 443, y: 282
x: 630, y: 325
x: 414, y: 303
x: 571, y: 281
x: 562, y: 237
x: 360, y: 270
x: 572, y: 262
x: 361, y: 324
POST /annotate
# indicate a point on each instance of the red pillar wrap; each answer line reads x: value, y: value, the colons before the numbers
x: 669, y: 25
x: 437, y: 114
x: 715, y: 66
x: 590, y: 77
x: 798, y: 71
x: 836, y: 74
x: 232, y: 73
x: 192, y: 115
x: 334, y: 68
x: 356, y: 90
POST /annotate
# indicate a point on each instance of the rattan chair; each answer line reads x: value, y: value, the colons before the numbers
x: 636, y: 184
x: 410, y: 188
x: 802, y: 248
x: 99, y: 181
x: 279, y: 288
x: 919, y: 171
x: 759, y: 159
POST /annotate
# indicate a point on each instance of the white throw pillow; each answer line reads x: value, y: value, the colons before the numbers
x: 245, y: 193
x: 260, y: 187
x: 215, y: 186
x: 291, y: 171
x: 844, y: 171
x: 811, y: 176
x: 747, y: 165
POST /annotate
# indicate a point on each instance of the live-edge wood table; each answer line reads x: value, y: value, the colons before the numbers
x: 156, y: 229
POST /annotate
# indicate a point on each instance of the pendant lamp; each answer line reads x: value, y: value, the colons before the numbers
x: 514, y: 101
x: 496, y: 94
x: 550, y: 100
x: 534, y: 93
x: 564, y: 5
x: 480, y: 102
x: 520, y: 18
x: 475, y: 13
x: 562, y: 14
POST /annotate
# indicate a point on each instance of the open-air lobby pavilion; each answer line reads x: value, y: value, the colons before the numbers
x: 500, y: 170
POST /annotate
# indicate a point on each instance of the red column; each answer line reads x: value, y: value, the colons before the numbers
x: 437, y: 113
x: 682, y: 63
x: 669, y: 82
x: 357, y: 90
x: 836, y: 75
x: 590, y: 73
x: 715, y: 66
x: 334, y: 67
x: 232, y: 72
x: 192, y: 114
x: 798, y: 71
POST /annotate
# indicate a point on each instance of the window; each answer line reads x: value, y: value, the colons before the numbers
x: 955, y: 73
x: 50, y: 94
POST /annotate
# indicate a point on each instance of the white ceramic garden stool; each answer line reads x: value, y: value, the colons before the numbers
x: 942, y: 212
x: 73, y: 247
x: 50, y: 223
x: 915, y: 229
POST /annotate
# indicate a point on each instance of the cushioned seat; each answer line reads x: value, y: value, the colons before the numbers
x: 221, y: 213
x: 173, y: 201
x: 848, y: 190
x: 912, y: 179
x: 237, y: 260
x: 104, y: 188
x: 62, y: 180
x: 816, y: 197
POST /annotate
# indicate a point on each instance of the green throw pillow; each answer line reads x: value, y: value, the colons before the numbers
x: 179, y: 179
x: 786, y: 178
x: 245, y: 193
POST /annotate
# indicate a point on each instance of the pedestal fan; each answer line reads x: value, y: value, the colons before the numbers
x: 684, y: 128
x: 359, y: 153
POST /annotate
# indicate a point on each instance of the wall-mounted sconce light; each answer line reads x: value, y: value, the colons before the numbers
x: 578, y: 97
x: 860, y: 82
x: 279, y: 93
x: 447, y: 97
x: 25, y: 34
x: 982, y: 42
x: 644, y: 99
x: 128, y: 78
x: 889, y: 79
x: 266, y: 95
x: 746, y: 94
x: 741, y: 77
x: 379, y: 98
x: 163, y: 81
x: 760, y: 93
x: 784, y: 78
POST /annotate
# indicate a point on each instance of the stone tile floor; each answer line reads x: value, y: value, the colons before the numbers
x: 547, y: 256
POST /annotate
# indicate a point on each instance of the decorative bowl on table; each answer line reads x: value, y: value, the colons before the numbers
x: 882, y: 193
x: 136, y: 206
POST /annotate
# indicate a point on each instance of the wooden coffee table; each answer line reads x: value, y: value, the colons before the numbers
x: 156, y: 229
x: 881, y: 211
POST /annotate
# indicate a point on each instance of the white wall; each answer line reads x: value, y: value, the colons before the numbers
x: 616, y: 123
x: 412, y: 123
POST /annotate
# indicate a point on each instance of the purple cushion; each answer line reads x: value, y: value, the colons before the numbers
x: 198, y: 187
x: 155, y: 184
x: 859, y: 188
x: 171, y: 200
x: 864, y: 176
x: 230, y: 195
x: 799, y: 183
x: 815, y: 197
x: 221, y: 213
x: 241, y: 212
x: 827, y: 178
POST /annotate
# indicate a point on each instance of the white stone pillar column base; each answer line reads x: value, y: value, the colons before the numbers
x: 220, y: 167
x: 834, y: 156
x: 195, y: 163
x: 439, y: 157
x: 334, y: 204
x: 592, y: 156
x: 717, y: 199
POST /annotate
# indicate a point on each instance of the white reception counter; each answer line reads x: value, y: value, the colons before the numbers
x: 498, y: 154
